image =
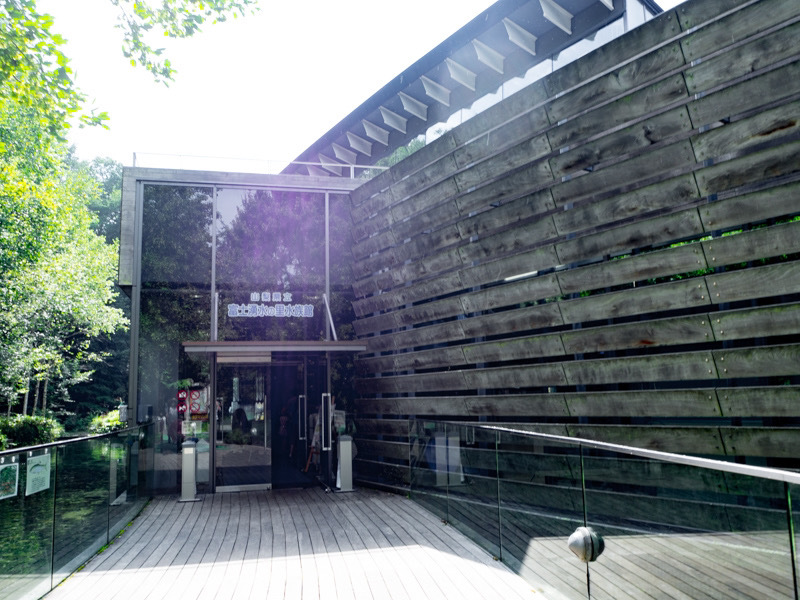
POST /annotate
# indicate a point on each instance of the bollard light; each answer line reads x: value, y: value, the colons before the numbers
x: 586, y: 544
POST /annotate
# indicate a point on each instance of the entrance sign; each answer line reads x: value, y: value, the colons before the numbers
x: 281, y: 306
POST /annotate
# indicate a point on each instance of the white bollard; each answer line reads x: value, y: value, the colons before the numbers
x: 189, y: 473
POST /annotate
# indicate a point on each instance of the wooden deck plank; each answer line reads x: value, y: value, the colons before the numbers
x: 366, y: 578
x: 296, y: 568
x: 118, y: 556
x: 308, y: 544
x: 277, y: 582
x: 332, y: 563
x: 224, y: 567
x: 183, y: 552
x: 442, y: 541
x: 292, y: 544
x: 150, y: 559
x: 193, y: 553
x: 212, y: 553
x: 249, y: 572
x: 382, y: 549
x: 418, y: 584
x: 319, y: 582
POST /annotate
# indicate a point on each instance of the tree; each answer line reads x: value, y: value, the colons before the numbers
x: 172, y: 18
x: 35, y: 73
x: 56, y: 262
x: 56, y: 297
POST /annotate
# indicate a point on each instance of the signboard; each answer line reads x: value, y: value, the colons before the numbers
x: 182, y: 406
x: 38, y: 478
x: 281, y: 306
x: 9, y: 480
x: 339, y: 421
x: 196, y: 401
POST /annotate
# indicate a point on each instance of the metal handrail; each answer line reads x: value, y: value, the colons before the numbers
x: 57, y: 443
x: 684, y: 459
x: 284, y: 164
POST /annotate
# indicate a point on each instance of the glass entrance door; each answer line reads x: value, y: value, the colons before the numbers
x: 290, y: 381
x: 266, y: 422
x: 243, y: 447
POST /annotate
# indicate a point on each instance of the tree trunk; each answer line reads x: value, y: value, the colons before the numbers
x: 44, y: 398
x: 35, y: 398
x: 25, y: 398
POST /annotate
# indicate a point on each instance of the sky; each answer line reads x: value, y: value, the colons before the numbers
x: 261, y: 88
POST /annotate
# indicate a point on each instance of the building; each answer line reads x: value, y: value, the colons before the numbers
x: 608, y: 252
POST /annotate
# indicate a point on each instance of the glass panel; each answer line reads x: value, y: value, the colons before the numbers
x: 541, y: 503
x: 169, y: 318
x: 56, y: 504
x: 82, y: 502
x: 341, y: 272
x: 270, y: 264
x: 244, y: 435
x: 793, y: 493
x: 26, y: 522
x: 175, y: 307
x: 125, y: 495
x: 287, y: 384
x: 428, y: 454
x: 673, y: 530
x: 176, y: 236
x: 472, y: 484
x: 307, y: 455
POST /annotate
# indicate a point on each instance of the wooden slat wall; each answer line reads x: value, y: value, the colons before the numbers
x: 611, y: 253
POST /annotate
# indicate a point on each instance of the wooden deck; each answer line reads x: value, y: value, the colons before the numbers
x: 292, y: 544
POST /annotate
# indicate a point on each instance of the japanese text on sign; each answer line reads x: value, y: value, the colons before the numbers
x: 282, y: 308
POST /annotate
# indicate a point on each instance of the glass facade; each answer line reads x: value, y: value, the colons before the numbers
x: 270, y: 264
x: 239, y: 264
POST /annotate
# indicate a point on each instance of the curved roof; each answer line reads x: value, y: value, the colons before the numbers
x: 501, y: 43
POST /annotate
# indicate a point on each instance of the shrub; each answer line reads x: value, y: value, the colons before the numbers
x: 106, y: 422
x: 25, y: 430
x: 3, y: 441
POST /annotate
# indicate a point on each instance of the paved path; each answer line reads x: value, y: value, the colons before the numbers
x: 293, y: 544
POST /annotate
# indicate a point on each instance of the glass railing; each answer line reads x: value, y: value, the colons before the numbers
x: 60, y: 503
x: 583, y: 519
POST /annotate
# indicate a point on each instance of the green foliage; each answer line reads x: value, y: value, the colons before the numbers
x: 402, y: 152
x: 25, y: 430
x: 139, y: 19
x: 34, y: 72
x: 106, y: 422
x: 57, y: 279
x: 104, y: 205
x: 3, y: 441
x: 59, y: 218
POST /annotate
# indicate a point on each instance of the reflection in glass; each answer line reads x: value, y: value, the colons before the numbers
x: 674, y: 530
x: 176, y: 236
x: 60, y: 504
x: 541, y: 505
x: 175, y: 306
x: 270, y: 264
x: 472, y: 484
x: 168, y: 318
x: 256, y: 256
x: 26, y: 521
x: 243, y: 444
x: 793, y: 495
x: 429, y: 472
